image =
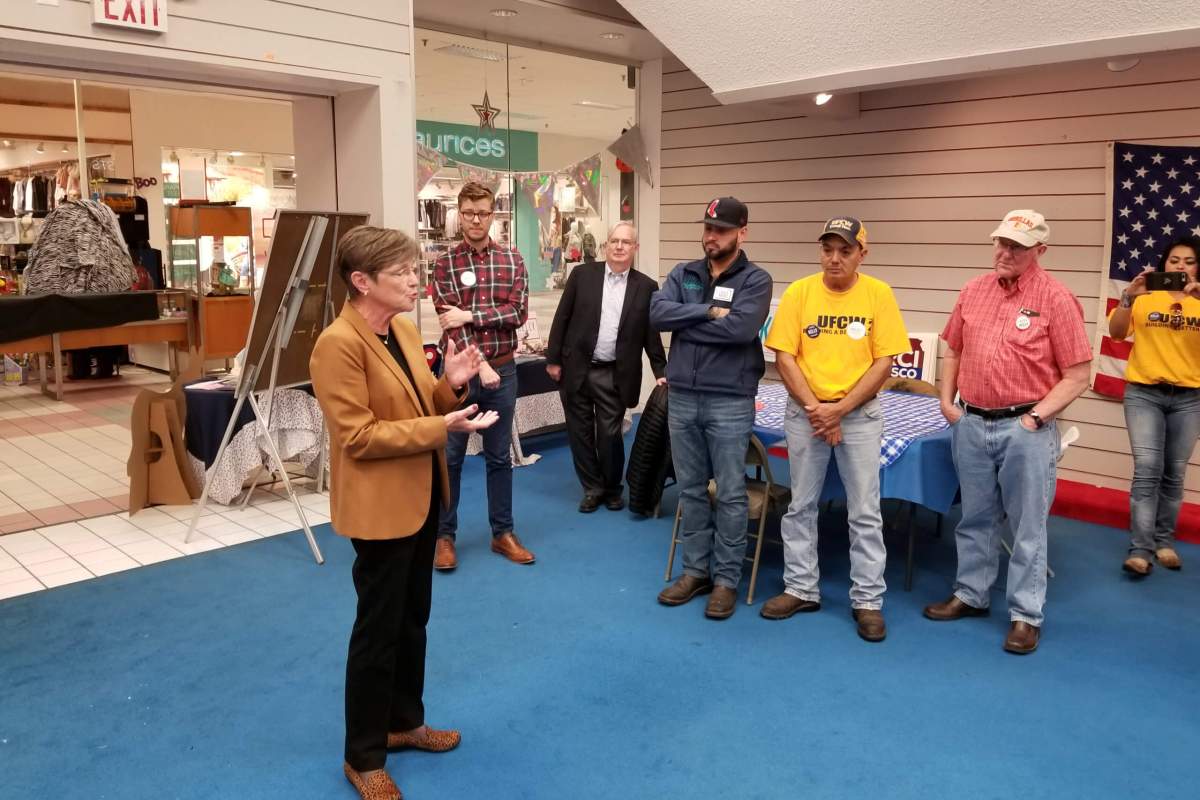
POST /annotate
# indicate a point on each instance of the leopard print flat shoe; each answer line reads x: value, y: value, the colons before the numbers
x: 375, y: 785
x: 433, y: 741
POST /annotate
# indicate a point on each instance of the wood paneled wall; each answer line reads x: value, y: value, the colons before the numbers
x: 931, y: 169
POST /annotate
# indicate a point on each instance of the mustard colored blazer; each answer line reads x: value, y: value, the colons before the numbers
x: 382, y: 444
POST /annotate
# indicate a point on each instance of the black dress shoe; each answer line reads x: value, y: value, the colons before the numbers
x: 589, y: 503
x: 614, y: 502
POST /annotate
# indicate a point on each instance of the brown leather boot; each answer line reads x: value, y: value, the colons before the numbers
x: 1022, y: 638
x: 782, y: 606
x: 721, y: 603
x: 871, y: 626
x: 683, y: 590
x: 952, y: 608
x: 444, y: 557
x: 509, y: 546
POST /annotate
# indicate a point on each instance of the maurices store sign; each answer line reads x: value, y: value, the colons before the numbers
x: 500, y: 149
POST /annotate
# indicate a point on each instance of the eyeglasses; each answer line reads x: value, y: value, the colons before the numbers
x: 1176, y: 316
x: 1012, y: 247
x: 622, y: 242
x: 478, y: 216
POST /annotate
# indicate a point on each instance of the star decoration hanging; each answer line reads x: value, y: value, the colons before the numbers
x: 487, y: 113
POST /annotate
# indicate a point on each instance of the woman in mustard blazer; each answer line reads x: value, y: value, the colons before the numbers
x: 387, y: 418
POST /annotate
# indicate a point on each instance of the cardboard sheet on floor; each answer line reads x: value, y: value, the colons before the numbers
x: 158, y: 470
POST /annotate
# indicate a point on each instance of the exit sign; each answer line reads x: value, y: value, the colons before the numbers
x: 139, y: 15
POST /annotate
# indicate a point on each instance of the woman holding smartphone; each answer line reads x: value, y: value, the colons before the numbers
x: 1162, y: 397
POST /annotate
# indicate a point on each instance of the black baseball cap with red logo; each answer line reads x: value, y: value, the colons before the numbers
x: 726, y: 212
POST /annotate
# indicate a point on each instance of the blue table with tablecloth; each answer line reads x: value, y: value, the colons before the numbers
x: 915, y: 461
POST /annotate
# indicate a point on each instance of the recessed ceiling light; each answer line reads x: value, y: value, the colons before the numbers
x: 65, y: 149
x: 613, y: 35
x: 503, y: 12
x: 41, y: 148
x: 236, y: 153
x: 8, y: 143
x: 1122, y: 64
x: 822, y: 98
x: 605, y: 106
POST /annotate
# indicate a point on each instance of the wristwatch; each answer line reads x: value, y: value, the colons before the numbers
x: 1037, y: 419
x: 1126, y: 300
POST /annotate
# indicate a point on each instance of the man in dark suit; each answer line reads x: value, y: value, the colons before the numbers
x: 600, y: 329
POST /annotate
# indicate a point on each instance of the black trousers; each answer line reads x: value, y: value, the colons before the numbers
x: 385, y: 668
x: 594, y: 416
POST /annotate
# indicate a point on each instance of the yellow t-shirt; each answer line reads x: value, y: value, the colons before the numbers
x: 835, y: 336
x: 1161, y: 353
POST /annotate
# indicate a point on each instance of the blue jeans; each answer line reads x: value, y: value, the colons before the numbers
x: 497, y: 445
x: 1004, y: 469
x: 1163, y: 424
x: 858, y: 464
x: 710, y: 433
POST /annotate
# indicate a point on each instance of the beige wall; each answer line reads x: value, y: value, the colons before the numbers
x: 931, y: 169
x: 191, y: 119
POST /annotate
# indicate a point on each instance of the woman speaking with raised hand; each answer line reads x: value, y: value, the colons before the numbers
x: 387, y: 418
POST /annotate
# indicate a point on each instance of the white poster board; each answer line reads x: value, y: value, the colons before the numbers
x: 920, y: 362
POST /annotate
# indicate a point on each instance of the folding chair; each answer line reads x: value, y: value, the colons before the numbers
x: 763, y: 496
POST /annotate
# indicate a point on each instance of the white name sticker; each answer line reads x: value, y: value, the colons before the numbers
x: 856, y: 330
x: 723, y: 293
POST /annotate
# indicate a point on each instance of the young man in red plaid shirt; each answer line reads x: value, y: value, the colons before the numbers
x: 480, y: 293
x: 1017, y: 353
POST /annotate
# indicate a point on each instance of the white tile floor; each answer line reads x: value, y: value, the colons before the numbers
x: 44, y: 558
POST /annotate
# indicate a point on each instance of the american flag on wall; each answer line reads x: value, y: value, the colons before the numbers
x: 1155, y: 198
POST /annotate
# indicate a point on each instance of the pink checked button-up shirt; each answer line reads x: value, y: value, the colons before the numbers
x: 1000, y: 364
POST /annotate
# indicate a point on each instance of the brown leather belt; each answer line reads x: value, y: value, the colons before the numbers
x: 499, y: 361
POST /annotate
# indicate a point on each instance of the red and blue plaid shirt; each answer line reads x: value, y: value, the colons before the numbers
x: 498, y: 300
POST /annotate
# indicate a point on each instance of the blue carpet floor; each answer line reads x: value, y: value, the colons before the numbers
x: 220, y: 676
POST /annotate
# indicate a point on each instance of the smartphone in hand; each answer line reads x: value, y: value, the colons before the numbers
x: 1166, y: 281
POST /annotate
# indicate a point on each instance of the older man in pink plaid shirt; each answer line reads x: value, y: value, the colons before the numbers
x: 1017, y: 354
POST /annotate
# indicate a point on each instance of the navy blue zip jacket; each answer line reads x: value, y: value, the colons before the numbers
x: 714, y: 355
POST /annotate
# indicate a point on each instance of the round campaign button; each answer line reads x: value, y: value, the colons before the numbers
x: 467, y: 278
x: 812, y: 331
x: 1022, y: 322
x: 1154, y: 316
x: 856, y: 330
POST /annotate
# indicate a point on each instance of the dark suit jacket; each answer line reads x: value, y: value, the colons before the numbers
x: 577, y: 324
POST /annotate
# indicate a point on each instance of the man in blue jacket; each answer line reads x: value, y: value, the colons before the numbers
x: 714, y: 309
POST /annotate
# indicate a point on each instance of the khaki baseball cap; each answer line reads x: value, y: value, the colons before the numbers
x: 1023, y: 226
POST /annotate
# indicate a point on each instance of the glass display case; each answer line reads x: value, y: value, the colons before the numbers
x: 210, y: 256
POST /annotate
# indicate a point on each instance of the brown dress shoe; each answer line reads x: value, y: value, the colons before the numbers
x: 373, y: 785
x: 1168, y: 557
x: 444, y: 557
x: 684, y: 589
x: 870, y: 624
x: 1022, y: 638
x: 721, y: 603
x: 1136, y: 565
x: 433, y: 741
x: 782, y: 606
x: 951, y: 609
x: 509, y: 546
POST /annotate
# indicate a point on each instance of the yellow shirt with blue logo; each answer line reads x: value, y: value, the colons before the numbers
x: 836, y: 336
x: 1162, y: 352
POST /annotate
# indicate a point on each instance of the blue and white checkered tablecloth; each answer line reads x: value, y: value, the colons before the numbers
x: 906, y: 417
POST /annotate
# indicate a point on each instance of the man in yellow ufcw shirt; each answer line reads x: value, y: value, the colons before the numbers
x: 835, y: 333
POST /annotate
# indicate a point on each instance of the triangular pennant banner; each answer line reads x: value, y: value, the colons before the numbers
x: 586, y: 175
x: 429, y: 161
x: 631, y: 149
